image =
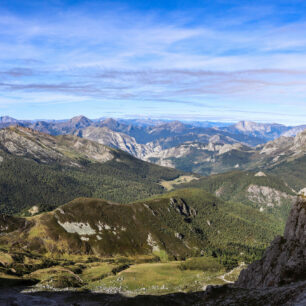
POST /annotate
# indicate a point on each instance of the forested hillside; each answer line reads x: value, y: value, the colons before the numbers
x: 46, y: 171
x: 260, y: 190
x: 179, y: 224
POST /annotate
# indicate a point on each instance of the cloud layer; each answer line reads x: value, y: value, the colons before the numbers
x: 123, y: 60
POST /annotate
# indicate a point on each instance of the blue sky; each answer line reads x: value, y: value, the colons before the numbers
x: 193, y: 60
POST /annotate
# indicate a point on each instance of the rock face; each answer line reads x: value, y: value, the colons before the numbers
x: 267, y: 196
x: 284, y: 262
x: 182, y: 208
x: 66, y: 149
x: 266, y: 131
x: 124, y: 142
x: 10, y: 224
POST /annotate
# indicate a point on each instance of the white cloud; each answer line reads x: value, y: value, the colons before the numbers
x: 76, y: 55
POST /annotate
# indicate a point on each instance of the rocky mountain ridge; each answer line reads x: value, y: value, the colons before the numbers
x: 222, y: 154
x: 247, y: 131
x: 286, y: 147
x: 45, y: 148
x: 184, y: 146
x: 267, y: 131
x: 104, y: 135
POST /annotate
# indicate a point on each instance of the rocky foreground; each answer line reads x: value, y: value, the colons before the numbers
x: 279, y: 278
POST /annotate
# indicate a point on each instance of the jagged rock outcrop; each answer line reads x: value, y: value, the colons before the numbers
x: 182, y: 208
x: 284, y: 262
x: 10, y: 224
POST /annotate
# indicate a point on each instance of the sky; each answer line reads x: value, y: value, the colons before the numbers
x: 221, y: 60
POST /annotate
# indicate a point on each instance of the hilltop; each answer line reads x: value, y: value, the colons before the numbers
x: 178, y: 224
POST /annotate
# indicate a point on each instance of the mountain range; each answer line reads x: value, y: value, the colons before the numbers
x: 203, y: 150
x: 261, y: 131
x: 75, y: 166
x: 81, y: 143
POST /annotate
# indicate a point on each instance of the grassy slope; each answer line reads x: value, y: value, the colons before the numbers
x: 211, y: 230
x: 126, y: 275
x: 219, y: 220
x: 160, y: 278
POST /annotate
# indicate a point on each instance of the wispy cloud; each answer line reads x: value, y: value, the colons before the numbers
x: 151, y: 57
x: 16, y: 72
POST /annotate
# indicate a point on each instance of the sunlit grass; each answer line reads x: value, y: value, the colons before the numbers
x: 158, y: 278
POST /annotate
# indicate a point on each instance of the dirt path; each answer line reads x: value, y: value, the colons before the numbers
x: 240, y: 267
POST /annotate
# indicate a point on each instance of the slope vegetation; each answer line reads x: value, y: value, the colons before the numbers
x: 260, y: 190
x: 37, y: 169
x: 179, y: 224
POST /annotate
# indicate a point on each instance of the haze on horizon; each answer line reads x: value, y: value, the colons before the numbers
x: 217, y: 61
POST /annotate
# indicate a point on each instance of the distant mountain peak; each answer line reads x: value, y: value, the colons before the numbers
x: 110, y: 122
x: 244, y: 124
x: 7, y: 119
x: 80, y: 121
x: 174, y: 125
x: 251, y: 124
x: 267, y: 131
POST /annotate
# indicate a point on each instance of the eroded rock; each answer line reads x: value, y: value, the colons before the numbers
x: 284, y: 261
x: 182, y: 208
